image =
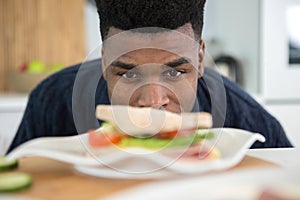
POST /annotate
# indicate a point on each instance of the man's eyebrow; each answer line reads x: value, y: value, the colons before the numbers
x: 178, y: 62
x: 174, y: 63
x: 123, y: 65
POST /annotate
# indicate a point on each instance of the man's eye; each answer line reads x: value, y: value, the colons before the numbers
x: 173, y: 73
x: 129, y: 75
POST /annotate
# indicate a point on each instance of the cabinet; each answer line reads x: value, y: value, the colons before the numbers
x: 288, y: 115
x: 255, y: 32
x: 280, y: 81
x: 51, y: 31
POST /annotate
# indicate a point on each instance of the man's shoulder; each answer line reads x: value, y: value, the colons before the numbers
x: 240, y: 107
x: 234, y: 92
x: 244, y: 112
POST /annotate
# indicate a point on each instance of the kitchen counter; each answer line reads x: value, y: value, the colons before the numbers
x: 12, y: 107
x: 13, y: 102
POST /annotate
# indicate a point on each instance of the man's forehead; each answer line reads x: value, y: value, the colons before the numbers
x: 185, y: 29
x: 179, y: 42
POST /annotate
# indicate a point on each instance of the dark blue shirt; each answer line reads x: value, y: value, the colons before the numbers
x: 64, y: 105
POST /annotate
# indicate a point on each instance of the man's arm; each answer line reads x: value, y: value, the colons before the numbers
x: 26, y: 129
x: 48, y: 111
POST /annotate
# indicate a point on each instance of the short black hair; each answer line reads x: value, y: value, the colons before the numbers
x: 132, y: 14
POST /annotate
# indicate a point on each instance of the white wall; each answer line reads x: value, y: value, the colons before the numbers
x: 233, y: 26
x: 93, y: 36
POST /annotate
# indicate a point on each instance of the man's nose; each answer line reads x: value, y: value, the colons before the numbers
x: 153, y: 95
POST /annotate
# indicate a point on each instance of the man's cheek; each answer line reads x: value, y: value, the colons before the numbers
x: 120, y: 95
x: 186, y: 97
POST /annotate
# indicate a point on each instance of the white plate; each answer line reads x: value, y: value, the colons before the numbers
x: 234, y: 185
x: 137, y: 162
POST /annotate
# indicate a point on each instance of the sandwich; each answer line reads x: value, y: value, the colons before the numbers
x: 153, y: 129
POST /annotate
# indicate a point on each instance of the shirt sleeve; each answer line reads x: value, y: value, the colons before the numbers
x: 30, y: 123
x: 48, y: 111
x: 245, y: 113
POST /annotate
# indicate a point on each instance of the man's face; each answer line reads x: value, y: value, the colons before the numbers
x: 158, y: 70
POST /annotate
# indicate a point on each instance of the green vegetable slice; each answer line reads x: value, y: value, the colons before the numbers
x: 7, y: 164
x: 156, y: 143
x: 14, y: 181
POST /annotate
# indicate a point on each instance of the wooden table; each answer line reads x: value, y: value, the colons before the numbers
x: 57, y: 180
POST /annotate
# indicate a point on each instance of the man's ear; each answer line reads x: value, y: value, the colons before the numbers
x: 103, y: 64
x: 201, y: 58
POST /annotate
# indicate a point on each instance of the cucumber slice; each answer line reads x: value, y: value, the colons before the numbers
x: 7, y: 164
x: 14, y: 181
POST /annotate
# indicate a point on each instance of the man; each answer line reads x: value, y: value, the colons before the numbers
x: 152, y: 56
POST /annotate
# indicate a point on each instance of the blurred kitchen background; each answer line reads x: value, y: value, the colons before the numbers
x: 255, y: 43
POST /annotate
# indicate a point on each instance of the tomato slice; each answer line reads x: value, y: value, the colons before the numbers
x: 173, y: 134
x: 99, y: 139
x: 166, y: 135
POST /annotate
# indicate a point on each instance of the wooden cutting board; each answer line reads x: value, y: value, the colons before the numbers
x: 57, y: 180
